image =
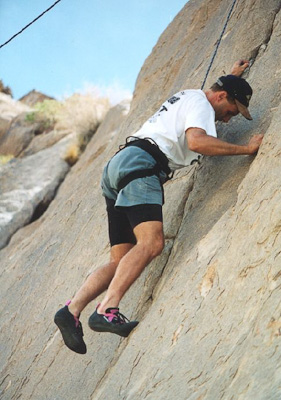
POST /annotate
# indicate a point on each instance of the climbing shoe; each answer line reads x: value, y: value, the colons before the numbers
x: 71, y: 330
x: 112, y: 321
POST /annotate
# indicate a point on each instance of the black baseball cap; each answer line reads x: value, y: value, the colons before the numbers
x: 239, y: 90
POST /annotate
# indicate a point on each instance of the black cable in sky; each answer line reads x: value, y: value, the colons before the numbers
x: 32, y: 22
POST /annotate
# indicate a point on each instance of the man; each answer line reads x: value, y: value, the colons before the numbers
x: 132, y: 185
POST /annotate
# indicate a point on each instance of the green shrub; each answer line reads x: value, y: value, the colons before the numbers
x: 30, y: 117
x: 45, y: 112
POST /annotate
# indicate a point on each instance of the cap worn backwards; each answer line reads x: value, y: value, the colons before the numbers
x: 239, y: 90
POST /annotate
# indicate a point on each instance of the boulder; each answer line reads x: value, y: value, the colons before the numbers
x: 43, y: 141
x: 19, y: 134
x: 4, y: 125
x: 34, y: 97
x: 209, y: 305
x: 28, y: 186
x: 10, y: 108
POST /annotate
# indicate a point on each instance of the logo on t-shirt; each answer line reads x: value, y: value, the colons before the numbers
x: 173, y: 99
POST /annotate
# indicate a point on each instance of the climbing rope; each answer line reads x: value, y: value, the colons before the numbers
x: 32, y: 22
x: 219, y: 41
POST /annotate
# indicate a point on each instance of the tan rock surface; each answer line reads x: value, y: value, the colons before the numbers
x: 34, y: 97
x: 43, y: 141
x: 28, y: 184
x: 18, y: 136
x: 10, y: 108
x: 210, y: 305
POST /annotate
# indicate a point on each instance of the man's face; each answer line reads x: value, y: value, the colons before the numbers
x: 224, y: 110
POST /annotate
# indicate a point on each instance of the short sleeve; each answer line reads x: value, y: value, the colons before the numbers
x: 200, y: 114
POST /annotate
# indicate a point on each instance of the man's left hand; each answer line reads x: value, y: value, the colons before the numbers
x: 254, y: 143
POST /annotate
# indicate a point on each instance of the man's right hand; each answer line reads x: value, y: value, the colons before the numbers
x: 255, y: 143
x: 239, y: 67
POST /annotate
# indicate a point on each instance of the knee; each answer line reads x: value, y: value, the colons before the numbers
x: 111, y: 267
x: 118, y: 252
x: 114, y: 261
x: 156, y: 247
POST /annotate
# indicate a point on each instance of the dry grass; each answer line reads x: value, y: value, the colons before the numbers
x: 45, y: 112
x: 5, y: 158
x: 72, y: 154
x: 81, y: 114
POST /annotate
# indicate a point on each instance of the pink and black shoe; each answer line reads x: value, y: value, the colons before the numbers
x: 112, y: 321
x: 71, y: 330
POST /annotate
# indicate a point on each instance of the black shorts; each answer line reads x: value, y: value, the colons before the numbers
x: 122, y: 221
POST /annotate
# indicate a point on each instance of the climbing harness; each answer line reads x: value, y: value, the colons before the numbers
x: 218, y: 43
x: 151, y: 147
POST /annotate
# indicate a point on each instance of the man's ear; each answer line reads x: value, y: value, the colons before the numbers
x: 221, y: 95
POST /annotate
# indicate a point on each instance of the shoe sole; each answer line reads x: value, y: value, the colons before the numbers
x: 67, y: 338
x: 95, y: 326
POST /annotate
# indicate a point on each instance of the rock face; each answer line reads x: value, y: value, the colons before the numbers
x: 209, y: 306
x: 10, y: 108
x: 18, y: 136
x: 28, y: 184
x: 41, y: 148
x: 34, y: 97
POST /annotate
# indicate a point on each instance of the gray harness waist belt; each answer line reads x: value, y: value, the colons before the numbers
x: 153, y: 149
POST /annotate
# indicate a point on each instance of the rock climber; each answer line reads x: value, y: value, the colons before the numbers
x: 132, y: 182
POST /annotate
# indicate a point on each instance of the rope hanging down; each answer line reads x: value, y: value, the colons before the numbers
x: 32, y: 22
x: 217, y: 46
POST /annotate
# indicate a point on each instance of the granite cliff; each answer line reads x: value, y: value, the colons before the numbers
x: 209, y: 306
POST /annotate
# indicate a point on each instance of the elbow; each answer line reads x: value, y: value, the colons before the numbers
x: 193, y: 145
x: 196, y: 139
x: 195, y: 148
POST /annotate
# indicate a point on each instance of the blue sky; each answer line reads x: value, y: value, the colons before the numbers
x: 80, y: 44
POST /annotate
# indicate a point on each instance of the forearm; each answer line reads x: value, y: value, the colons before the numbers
x: 200, y: 142
x: 211, y: 146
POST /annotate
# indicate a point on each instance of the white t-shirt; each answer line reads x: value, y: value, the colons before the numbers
x: 186, y: 109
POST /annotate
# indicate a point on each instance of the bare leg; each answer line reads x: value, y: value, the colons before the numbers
x: 99, y: 280
x: 150, y: 243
